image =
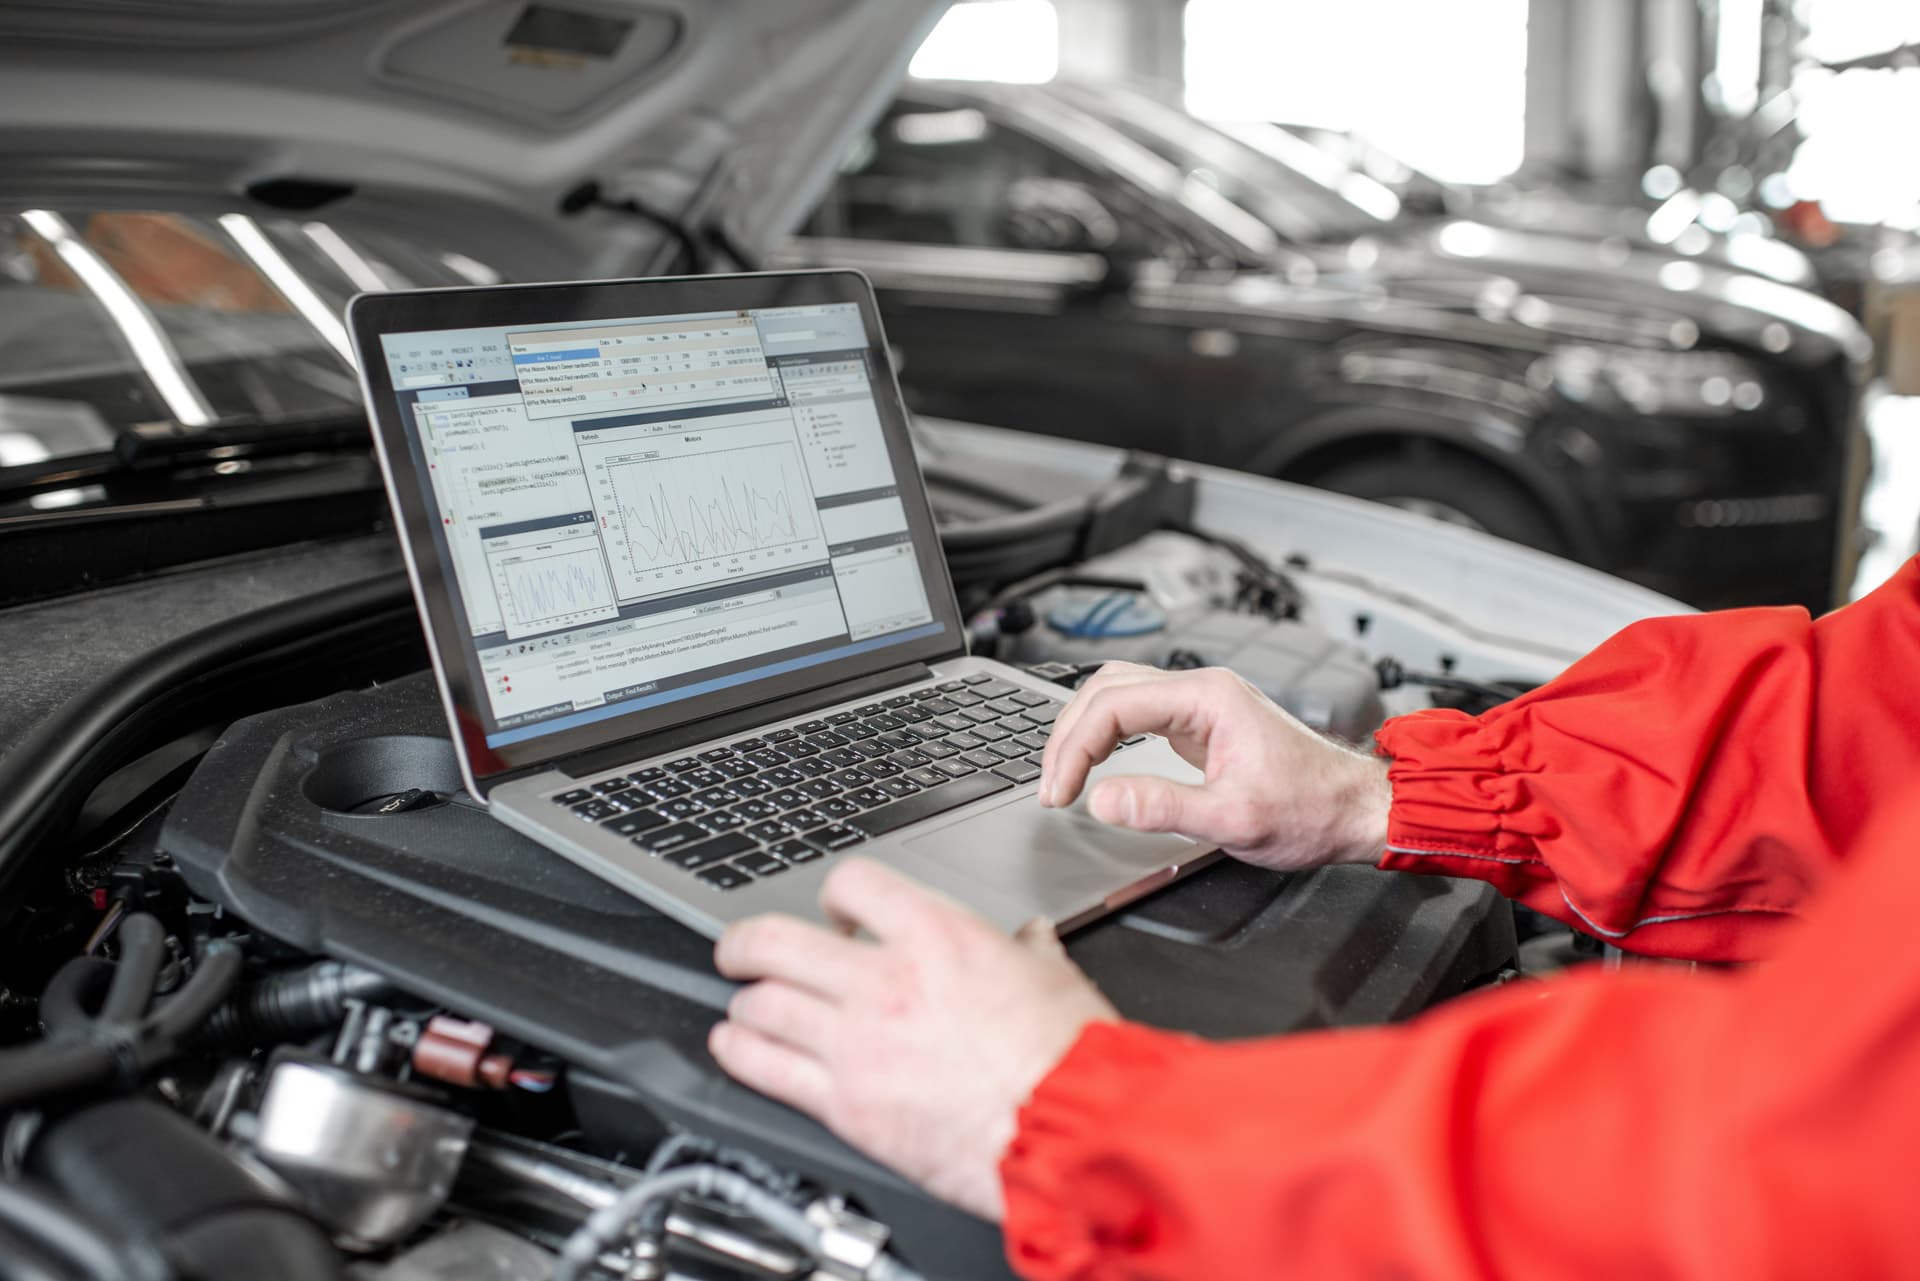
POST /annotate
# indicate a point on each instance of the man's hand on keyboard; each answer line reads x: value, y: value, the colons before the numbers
x: 1276, y: 794
x: 916, y: 1043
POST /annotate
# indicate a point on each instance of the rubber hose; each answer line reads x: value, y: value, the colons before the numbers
x: 143, y: 946
x: 57, y: 1231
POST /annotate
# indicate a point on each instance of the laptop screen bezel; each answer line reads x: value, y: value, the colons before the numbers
x: 370, y: 316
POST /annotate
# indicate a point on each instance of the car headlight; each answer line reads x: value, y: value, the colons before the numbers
x: 1687, y: 384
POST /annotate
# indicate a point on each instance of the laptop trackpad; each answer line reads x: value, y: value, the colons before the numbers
x: 1059, y: 860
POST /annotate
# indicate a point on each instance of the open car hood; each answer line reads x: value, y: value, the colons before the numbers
x: 470, y: 121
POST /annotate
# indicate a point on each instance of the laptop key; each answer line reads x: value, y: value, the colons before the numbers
x: 867, y: 709
x: 953, y: 768
x: 751, y: 787
x: 976, y: 678
x: 794, y: 851
x: 1019, y: 724
x: 1027, y: 698
x: 819, y: 788
x: 841, y: 718
x: 760, y: 864
x: 868, y: 798
x: 704, y: 852
x: 661, y: 840
x: 811, y: 727
x: 713, y: 754
x: 682, y: 807
x: 715, y: 797
x: 954, y: 722
x: 1008, y: 751
x: 910, y: 759
x: 746, y: 745
x: 896, y: 787
x: 725, y: 877
x: 829, y: 840
x: 852, y: 779
x: 768, y: 758
x: 646, y: 775
x: 733, y: 769
x: 979, y: 716
x: 703, y: 777
x: 683, y: 764
x: 938, y: 751
x: 841, y: 758
x: 965, y: 698
x: 635, y: 823
x: 595, y: 810
x: 606, y: 785
x: 980, y: 760
x: 756, y: 810
x: 782, y: 735
x: 1018, y: 771
x: 965, y: 741
x: 721, y: 821
x: 922, y: 695
x: 935, y: 800
x: 1033, y: 742
x: 771, y: 830
x: 996, y: 689
x: 838, y: 807
x: 668, y: 788
x: 784, y: 776
x: 801, y: 820
x: 927, y: 777
x: 788, y: 798
x: 883, y: 768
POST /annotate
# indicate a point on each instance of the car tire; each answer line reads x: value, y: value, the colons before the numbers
x: 1455, y: 491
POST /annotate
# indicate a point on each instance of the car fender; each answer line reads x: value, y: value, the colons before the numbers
x: 1492, y: 438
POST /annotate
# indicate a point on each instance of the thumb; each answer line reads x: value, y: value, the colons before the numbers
x: 1039, y: 937
x: 1148, y: 804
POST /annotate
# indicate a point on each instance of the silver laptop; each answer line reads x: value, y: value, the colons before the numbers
x: 688, y: 610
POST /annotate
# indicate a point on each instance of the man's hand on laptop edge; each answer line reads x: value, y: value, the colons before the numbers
x: 1276, y: 793
x: 916, y: 1045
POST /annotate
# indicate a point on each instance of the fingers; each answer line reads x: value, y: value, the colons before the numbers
x: 1109, y: 675
x: 793, y: 951
x: 1039, y: 937
x: 786, y: 1013
x: 772, y: 1067
x: 1148, y: 804
x: 881, y: 901
x: 1112, y: 713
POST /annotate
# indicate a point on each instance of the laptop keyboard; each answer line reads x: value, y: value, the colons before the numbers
x: 762, y: 804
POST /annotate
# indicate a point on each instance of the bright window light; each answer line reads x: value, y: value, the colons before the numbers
x: 1848, y: 117
x: 1011, y: 40
x: 1443, y: 86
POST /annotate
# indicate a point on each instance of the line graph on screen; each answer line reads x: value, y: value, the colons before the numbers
x: 694, y: 516
x: 556, y: 587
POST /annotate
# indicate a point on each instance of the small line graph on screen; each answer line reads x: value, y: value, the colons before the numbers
x: 554, y: 587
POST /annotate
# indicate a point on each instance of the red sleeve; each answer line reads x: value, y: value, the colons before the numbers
x: 1645, y: 1123
x: 1684, y: 787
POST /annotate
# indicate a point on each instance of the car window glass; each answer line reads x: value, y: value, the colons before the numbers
x: 241, y: 340
x: 952, y: 176
x: 61, y: 356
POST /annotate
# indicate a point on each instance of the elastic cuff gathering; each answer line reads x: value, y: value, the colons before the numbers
x: 1451, y: 795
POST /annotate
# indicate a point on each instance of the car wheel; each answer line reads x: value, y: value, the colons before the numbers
x: 1451, y: 490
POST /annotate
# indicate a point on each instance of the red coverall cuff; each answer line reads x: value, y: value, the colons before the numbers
x: 1452, y: 797
x: 1058, y: 1222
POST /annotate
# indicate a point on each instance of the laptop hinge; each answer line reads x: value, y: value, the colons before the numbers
x: 743, y: 721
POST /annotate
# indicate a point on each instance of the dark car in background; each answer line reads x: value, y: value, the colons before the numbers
x: 1042, y: 267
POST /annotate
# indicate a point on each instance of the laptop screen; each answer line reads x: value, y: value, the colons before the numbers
x: 636, y: 511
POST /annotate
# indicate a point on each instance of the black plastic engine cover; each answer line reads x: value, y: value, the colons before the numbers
x: 458, y: 909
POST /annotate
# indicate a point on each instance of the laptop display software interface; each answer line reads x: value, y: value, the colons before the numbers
x: 634, y: 512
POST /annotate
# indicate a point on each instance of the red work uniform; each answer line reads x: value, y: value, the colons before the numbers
x: 1742, y: 786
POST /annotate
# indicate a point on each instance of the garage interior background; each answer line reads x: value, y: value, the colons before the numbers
x: 1635, y: 101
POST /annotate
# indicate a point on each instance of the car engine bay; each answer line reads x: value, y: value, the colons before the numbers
x: 280, y: 1000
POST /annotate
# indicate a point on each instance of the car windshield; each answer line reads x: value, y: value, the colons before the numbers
x: 112, y: 319
x: 1301, y: 192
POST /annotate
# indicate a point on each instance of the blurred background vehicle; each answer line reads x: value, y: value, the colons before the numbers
x: 1093, y: 264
